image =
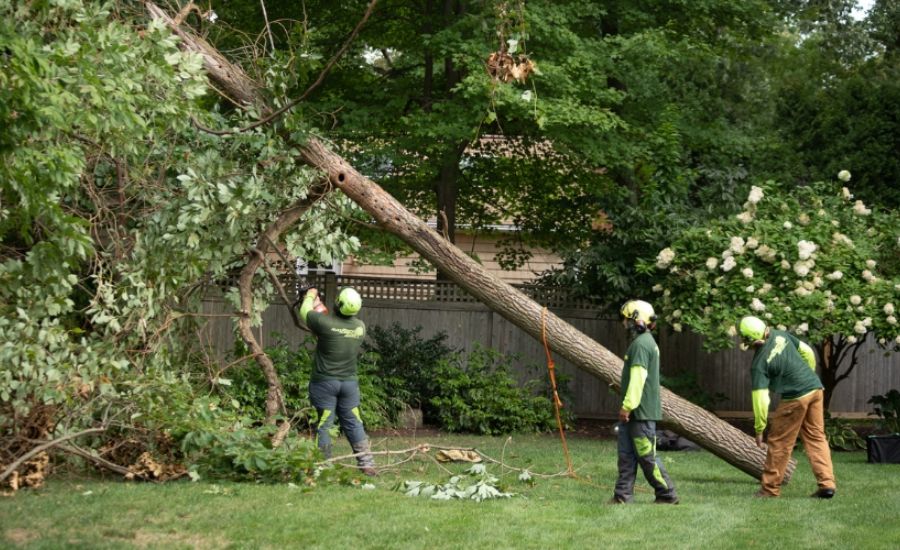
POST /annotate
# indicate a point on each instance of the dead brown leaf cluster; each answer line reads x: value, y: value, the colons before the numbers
x: 506, y: 68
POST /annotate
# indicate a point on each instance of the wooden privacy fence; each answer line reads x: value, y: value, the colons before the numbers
x: 439, y: 306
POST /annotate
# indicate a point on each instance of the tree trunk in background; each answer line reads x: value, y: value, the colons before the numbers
x: 687, y: 419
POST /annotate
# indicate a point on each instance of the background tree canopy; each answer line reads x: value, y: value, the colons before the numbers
x: 639, y: 119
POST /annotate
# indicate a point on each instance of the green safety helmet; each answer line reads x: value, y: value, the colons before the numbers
x: 753, y: 328
x: 640, y: 312
x: 348, y: 302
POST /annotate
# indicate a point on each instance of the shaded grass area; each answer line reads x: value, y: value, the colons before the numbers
x: 717, y: 510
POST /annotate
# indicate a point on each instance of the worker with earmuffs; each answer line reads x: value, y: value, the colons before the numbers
x: 640, y: 409
x: 333, y: 385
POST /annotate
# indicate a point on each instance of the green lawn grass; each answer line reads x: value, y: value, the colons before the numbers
x: 717, y: 510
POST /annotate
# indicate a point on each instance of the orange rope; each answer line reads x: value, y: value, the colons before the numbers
x: 557, y: 403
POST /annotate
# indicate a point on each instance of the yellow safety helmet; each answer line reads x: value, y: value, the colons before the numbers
x: 348, y: 302
x: 640, y: 312
x: 752, y: 328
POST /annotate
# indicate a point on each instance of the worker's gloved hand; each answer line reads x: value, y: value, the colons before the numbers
x: 623, y: 415
x: 312, y: 292
x: 759, y: 441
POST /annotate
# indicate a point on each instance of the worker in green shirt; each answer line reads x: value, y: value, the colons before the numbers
x: 333, y: 385
x: 787, y: 366
x: 640, y: 409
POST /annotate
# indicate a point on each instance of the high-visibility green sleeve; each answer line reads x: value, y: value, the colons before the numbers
x: 635, y: 388
x: 808, y: 355
x: 760, y: 409
x: 306, y: 306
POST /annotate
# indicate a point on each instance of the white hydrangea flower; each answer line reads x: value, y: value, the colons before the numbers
x: 803, y: 328
x: 840, y: 238
x: 801, y: 269
x: 752, y: 243
x: 829, y: 305
x: 750, y: 289
x: 676, y: 314
x: 788, y: 225
x: 737, y: 245
x: 732, y: 331
x: 808, y: 285
x: 676, y: 327
x: 891, y: 320
x: 803, y: 219
x: 765, y: 288
x: 868, y: 276
x: 846, y: 194
x: 859, y: 328
x: 855, y: 300
x: 766, y: 254
x: 785, y: 264
x: 871, y: 264
x: 860, y: 208
x: 817, y: 281
x: 757, y: 305
x: 745, y: 217
x: 727, y: 254
x: 851, y: 339
x: 657, y: 288
x: 756, y: 195
x: 806, y: 249
x: 897, y: 339
x: 781, y: 327
x: 767, y: 315
x: 712, y: 263
x: 867, y: 322
x: 748, y: 273
x: 665, y: 257
x: 728, y: 264
x: 821, y: 213
x: 800, y: 291
x: 834, y: 276
x: 888, y: 308
x: 787, y: 309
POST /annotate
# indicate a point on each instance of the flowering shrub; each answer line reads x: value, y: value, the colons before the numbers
x: 809, y: 260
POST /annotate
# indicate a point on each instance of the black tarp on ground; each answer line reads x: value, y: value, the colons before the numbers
x: 883, y: 449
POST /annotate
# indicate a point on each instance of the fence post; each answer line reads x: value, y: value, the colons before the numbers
x: 330, y: 289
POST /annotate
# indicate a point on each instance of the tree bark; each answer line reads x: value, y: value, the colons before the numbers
x: 288, y: 218
x: 687, y: 419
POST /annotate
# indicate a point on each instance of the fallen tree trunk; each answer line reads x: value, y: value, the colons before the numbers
x: 682, y: 416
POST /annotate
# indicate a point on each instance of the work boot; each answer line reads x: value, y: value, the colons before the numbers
x: 823, y: 493
x: 326, y: 451
x: 364, y: 461
x: 666, y: 500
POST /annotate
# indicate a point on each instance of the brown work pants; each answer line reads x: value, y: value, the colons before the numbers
x: 804, y: 416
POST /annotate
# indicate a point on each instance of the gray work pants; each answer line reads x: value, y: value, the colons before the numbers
x: 337, y: 400
x: 637, y: 446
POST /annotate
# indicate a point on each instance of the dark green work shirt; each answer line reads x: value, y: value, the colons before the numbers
x: 337, y: 347
x: 779, y: 367
x: 644, y: 352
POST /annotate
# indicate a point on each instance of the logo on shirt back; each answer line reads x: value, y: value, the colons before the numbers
x: 355, y: 333
x: 780, y: 344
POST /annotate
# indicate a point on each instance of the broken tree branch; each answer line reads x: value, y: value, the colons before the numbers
x: 43, y: 447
